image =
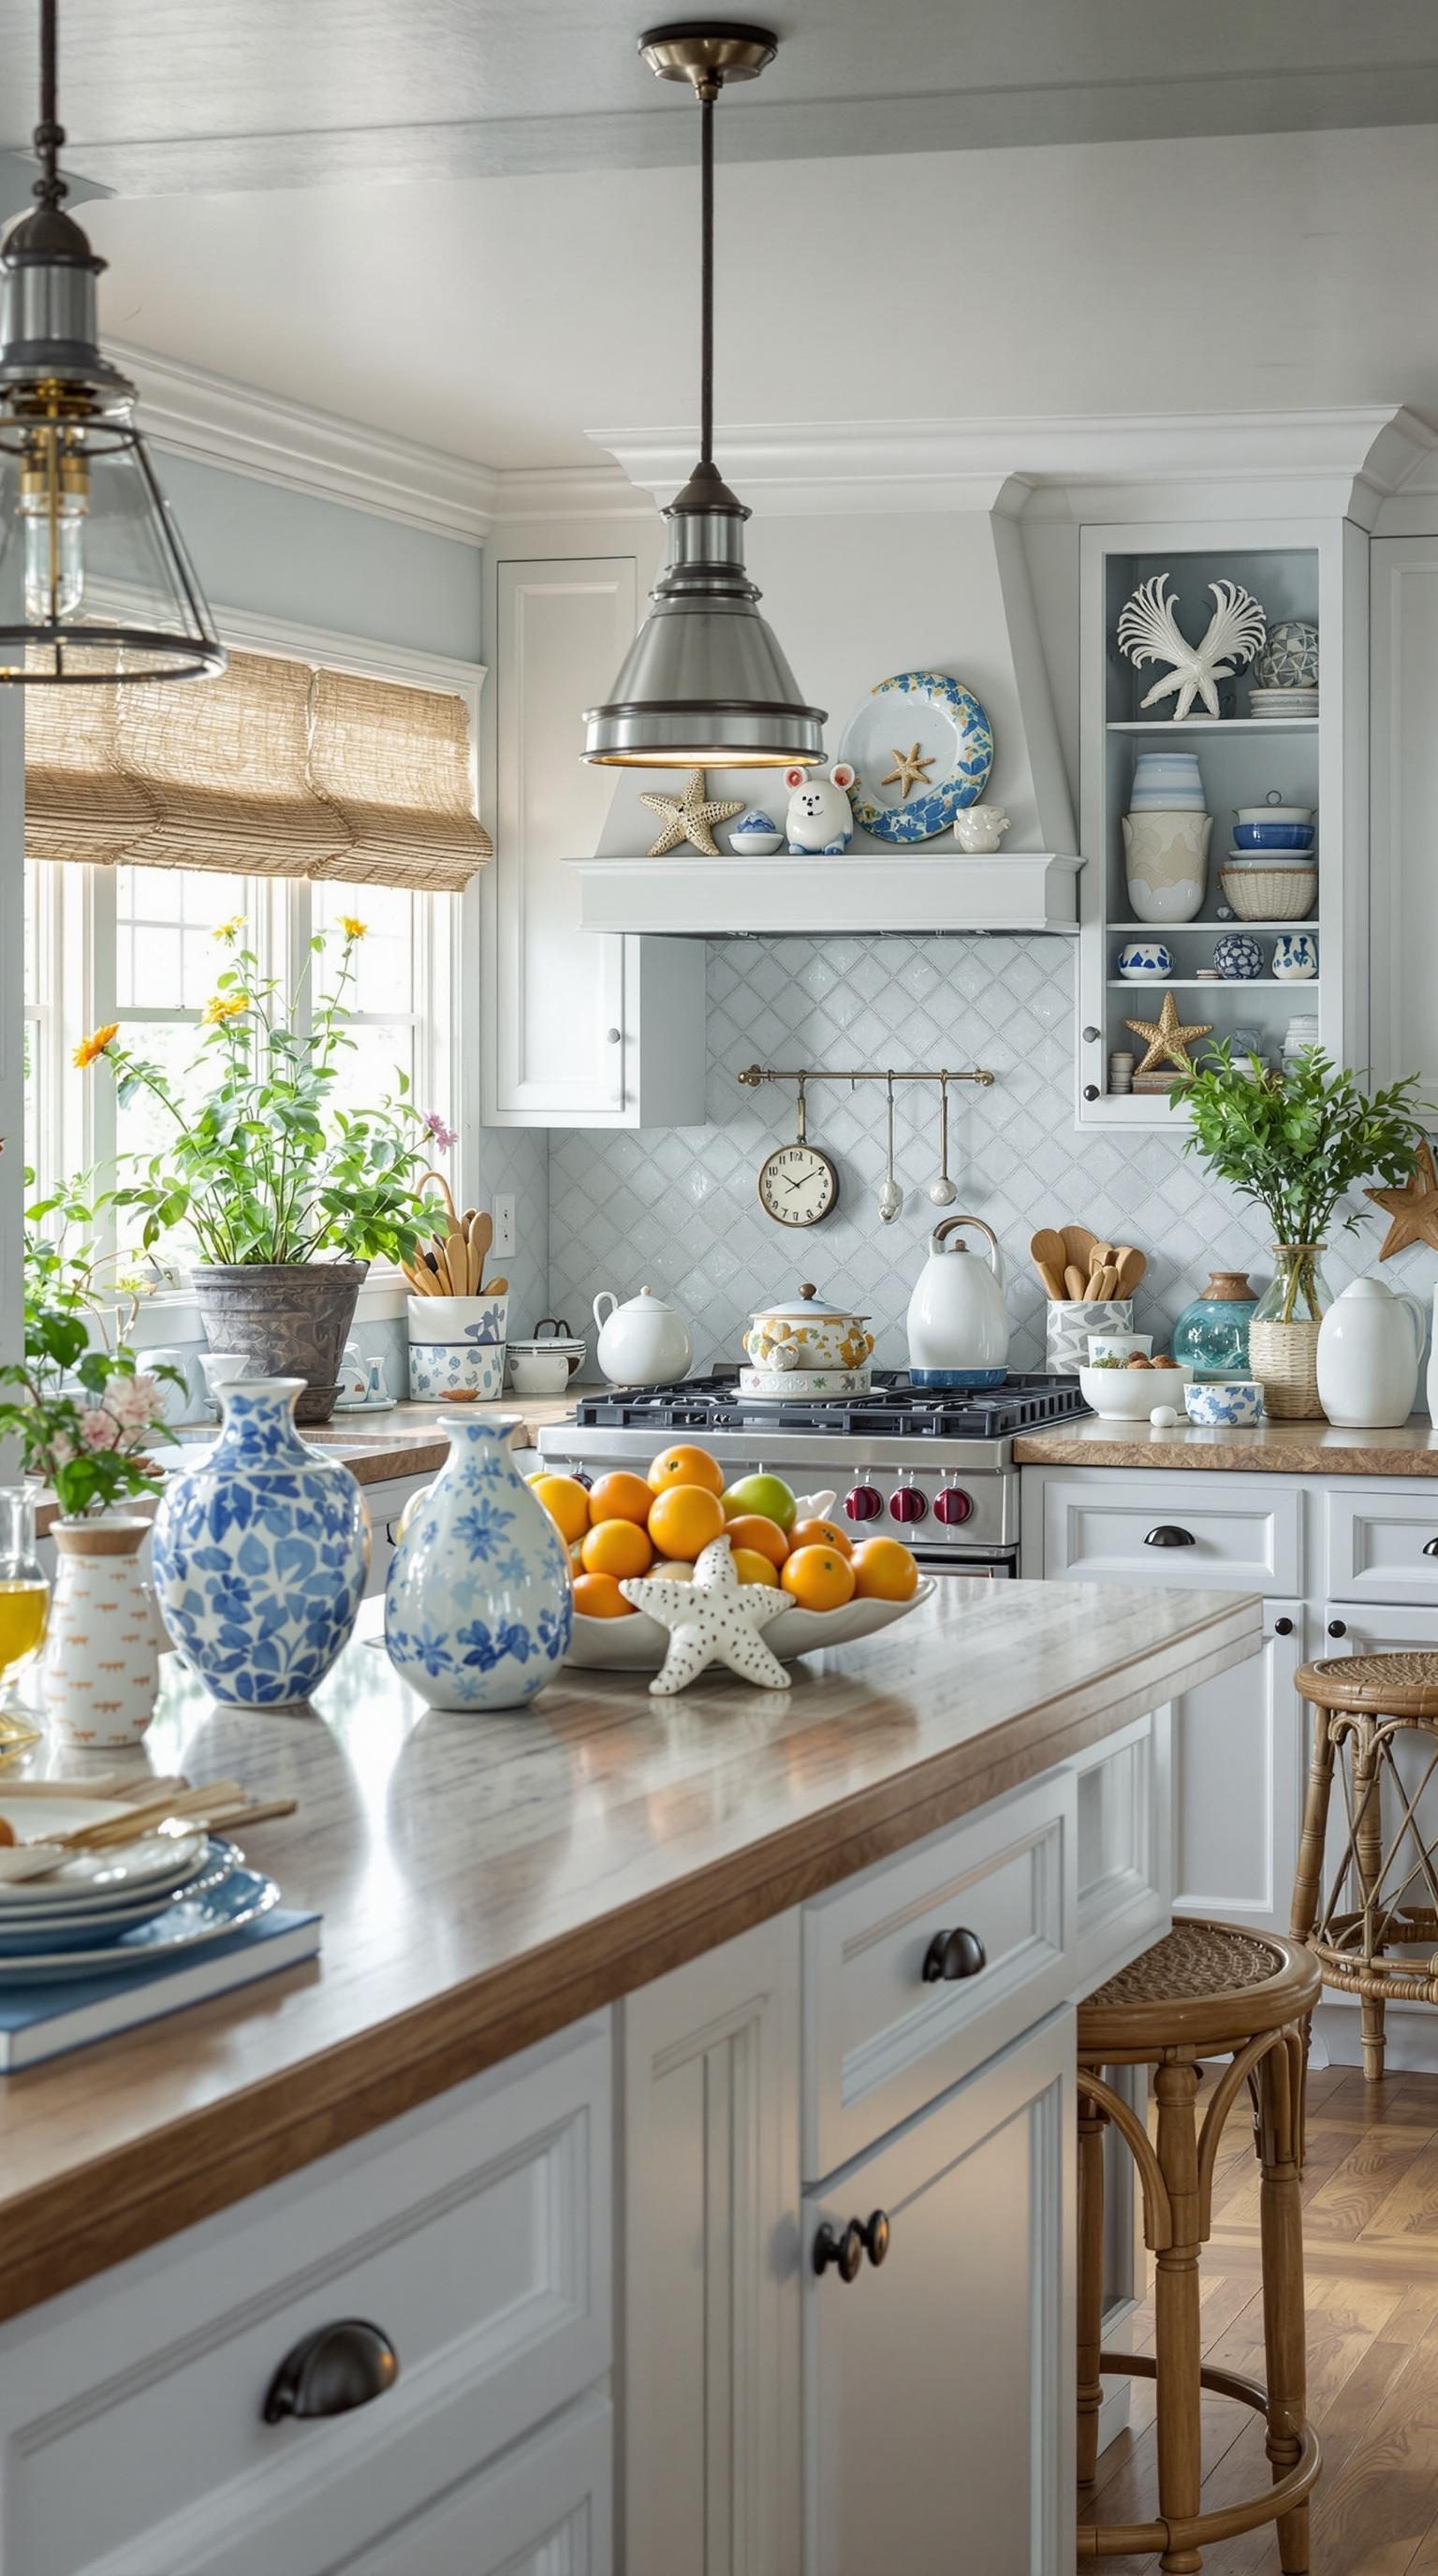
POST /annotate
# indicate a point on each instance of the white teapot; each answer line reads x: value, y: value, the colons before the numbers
x: 643, y: 1342
x: 1370, y: 1344
x: 958, y: 1321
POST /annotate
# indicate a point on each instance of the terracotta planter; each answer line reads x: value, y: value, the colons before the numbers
x: 286, y: 1320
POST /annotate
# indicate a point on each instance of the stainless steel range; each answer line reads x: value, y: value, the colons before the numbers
x: 933, y: 1465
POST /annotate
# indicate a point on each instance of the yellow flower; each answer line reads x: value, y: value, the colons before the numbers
x: 224, y: 1006
x: 352, y: 926
x: 229, y: 929
x: 96, y: 1043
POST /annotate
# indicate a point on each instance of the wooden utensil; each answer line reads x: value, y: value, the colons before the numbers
x: 496, y: 1287
x: 128, y: 1823
x: 1046, y: 1250
x: 481, y: 1244
x: 1078, y: 1246
x: 1129, y: 1267
x: 1075, y: 1283
x: 1100, y: 1258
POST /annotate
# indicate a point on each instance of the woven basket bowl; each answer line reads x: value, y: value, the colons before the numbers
x: 1270, y: 894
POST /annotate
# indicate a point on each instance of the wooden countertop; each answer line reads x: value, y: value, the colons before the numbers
x: 1269, y: 1449
x: 485, y: 1881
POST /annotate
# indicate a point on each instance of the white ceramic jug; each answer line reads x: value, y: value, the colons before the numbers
x: 958, y: 1321
x: 641, y: 1343
x: 1370, y: 1348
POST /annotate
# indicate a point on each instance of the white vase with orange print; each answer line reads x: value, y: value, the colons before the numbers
x: 102, y: 1662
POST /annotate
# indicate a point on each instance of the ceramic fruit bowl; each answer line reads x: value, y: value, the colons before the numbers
x: 638, y: 1644
x: 1130, y: 1394
x: 1235, y: 1402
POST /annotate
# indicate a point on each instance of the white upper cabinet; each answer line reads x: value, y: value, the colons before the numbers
x: 1404, y: 930
x: 579, y: 1030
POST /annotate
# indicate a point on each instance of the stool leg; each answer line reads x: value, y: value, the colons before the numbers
x: 1180, y: 2468
x: 1092, y: 2127
x: 1308, y: 1876
x: 1368, y: 1855
x: 1281, y: 2232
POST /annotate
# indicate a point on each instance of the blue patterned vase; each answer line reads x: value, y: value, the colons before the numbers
x: 478, y: 1607
x: 260, y: 1553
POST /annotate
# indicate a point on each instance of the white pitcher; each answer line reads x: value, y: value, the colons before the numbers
x: 958, y: 1321
x: 1370, y: 1349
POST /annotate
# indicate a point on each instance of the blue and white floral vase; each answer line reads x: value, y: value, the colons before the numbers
x: 478, y: 1608
x: 260, y: 1553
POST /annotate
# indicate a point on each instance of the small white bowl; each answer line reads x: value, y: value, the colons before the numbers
x: 1275, y: 813
x: 538, y: 1372
x: 1119, y: 1346
x: 1129, y: 1395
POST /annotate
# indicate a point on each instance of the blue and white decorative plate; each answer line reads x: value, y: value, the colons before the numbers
x: 245, y: 1895
x: 922, y: 748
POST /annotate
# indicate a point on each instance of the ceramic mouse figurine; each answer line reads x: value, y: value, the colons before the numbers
x: 820, y: 821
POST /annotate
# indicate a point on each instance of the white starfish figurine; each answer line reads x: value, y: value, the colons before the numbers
x: 1148, y: 632
x: 716, y: 1619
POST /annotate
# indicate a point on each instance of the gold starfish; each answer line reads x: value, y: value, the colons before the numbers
x: 690, y: 816
x: 1413, y: 1209
x: 908, y: 771
x: 1166, y: 1040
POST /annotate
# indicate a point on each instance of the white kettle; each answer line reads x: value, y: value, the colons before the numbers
x: 958, y: 1321
x: 643, y: 1342
x: 1370, y: 1348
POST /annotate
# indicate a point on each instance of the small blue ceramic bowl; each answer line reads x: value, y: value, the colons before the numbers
x: 1273, y: 836
x: 1236, y: 1403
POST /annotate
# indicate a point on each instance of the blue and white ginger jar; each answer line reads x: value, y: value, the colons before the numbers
x: 478, y: 1608
x: 260, y: 1553
x: 1238, y: 958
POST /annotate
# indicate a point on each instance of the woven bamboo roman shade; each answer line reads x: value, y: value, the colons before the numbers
x: 277, y: 769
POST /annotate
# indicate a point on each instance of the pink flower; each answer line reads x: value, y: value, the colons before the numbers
x: 99, y: 1429
x: 443, y: 1136
x: 134, y: 1402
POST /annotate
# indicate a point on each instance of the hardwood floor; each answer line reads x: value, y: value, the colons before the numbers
x: 1370, y: 2195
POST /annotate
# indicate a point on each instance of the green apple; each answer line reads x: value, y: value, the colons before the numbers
x: 768, y: 1496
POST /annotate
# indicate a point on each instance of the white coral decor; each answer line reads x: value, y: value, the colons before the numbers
x: 1148, y: 632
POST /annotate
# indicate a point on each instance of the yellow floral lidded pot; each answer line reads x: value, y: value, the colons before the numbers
x: 808, y: 1334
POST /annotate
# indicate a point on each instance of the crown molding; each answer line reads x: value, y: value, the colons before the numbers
x: 1046, y: 465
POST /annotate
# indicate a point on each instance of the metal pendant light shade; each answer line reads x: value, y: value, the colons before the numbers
x: 95, y: 583
x: 705, y: 682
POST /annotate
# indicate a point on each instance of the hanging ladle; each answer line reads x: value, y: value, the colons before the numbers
x: 891, y: 1197
x: 942, y: 1190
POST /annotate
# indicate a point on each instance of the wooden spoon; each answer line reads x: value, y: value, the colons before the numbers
x: 1075, y: 1283
x: 1130, y: 1266
x: 1078, y: 1245
x: 1046, y: 1249
x: 481, y: 1244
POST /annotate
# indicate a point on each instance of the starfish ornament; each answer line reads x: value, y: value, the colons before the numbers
x: 908, y: 771
x: 1413, y: 1209
x: 1166, y: 1039
x: 690, y: 817
x: 716, y: 1619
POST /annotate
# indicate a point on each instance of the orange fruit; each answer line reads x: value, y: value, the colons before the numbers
x: 567, y: 1503
x: 751, y: 1567
x: 821, y: 1534
x: 684, y: 1518
x: 620, y: 1497
x: 617, y: 1548
x: 686, y: 1465
x: 884, y: 1570
x: 818, y: 1578
x: 766, y: 1538
x: 597, y: 1596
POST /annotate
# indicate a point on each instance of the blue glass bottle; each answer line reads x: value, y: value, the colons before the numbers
x: 1212, y: 1333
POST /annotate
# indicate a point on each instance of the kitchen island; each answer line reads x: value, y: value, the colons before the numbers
x: 715, y: 1917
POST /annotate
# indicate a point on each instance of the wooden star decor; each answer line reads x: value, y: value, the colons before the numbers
x: 1166, y: 1038
x: 908, y: 771
x: 1413, y: 1209
x: 690, y: 817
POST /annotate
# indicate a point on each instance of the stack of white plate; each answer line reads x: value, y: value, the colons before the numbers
x: 131, y: 1905
x: 1275, y: 704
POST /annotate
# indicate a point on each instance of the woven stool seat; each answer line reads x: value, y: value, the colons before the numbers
x: 1400, y: 1685
x: 1206, y: 1990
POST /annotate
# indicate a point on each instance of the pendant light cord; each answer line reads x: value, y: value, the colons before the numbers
x: 49, y: 134
x: 707, y: 96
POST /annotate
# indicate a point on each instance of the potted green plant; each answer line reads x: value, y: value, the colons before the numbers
x: 1295, y: 1143
x: 288, y: 1196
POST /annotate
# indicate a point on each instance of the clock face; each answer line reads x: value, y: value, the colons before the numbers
x: 798, y: 1185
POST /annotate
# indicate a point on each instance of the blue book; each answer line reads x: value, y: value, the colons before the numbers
x: 44, y: 2021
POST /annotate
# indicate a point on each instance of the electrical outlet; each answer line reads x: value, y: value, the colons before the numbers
x: 503, y: 1248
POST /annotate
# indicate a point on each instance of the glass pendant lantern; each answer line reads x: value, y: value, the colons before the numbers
x: 705, y: 683
x: 95, y: 583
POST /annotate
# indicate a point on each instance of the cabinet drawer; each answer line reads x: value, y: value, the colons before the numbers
x: 1247, y: 1535
x: 543, y: 2510
x: 474, y: 2233
x: 1375, y: 1543
x: 880, y: 2040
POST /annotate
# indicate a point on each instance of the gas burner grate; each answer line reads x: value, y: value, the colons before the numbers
x: 893, y: 1409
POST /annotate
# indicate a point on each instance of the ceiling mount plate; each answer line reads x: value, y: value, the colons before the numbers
x: 706, y: 54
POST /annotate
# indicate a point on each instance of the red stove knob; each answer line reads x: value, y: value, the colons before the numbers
x: 953, y: 1505
x: 863, y: 1502
x: 908, y: 1504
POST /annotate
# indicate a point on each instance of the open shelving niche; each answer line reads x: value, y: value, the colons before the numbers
x: 1316, y: 570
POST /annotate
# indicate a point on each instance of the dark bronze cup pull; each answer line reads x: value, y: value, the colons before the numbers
x: 1168, y: 1534
x: 1430, y: 1547
x: 845, y: 2252
x: 338, y: 2367
x: 951, y: 1955
x: 875, y: 2237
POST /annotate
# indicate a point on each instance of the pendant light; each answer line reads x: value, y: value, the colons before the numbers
x: 704, y: 684
x: 89, y: 554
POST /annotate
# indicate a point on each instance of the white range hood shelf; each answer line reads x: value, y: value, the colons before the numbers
x: 878, y: 891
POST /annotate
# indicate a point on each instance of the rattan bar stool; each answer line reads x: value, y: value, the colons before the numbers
x: 1375, y: 1721
x: 1206, y: 1990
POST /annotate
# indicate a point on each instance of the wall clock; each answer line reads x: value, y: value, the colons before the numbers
x: 797, y: 1184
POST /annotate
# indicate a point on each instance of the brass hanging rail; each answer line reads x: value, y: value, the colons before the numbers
x: 753, y: 1074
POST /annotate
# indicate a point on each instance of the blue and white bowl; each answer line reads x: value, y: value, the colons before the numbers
x: 1234, y: 1402
x: 465, y: 1372
x: 756, y: 835
x: 1238, y: 958
x: 1273, y: 836
x: 1145, y: 961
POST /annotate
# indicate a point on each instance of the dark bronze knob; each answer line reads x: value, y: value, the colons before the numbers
x: 332, y: 2370
x: 1092, y: 1035
x: 1283, y: 1627
x: 1338, y: 1627
x: 1168, y: 1534
x: 845, y: 2252
x: 875, y: 2237
x: 1090, y: 1091
x: 951, y: 1955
